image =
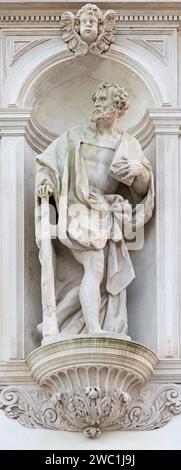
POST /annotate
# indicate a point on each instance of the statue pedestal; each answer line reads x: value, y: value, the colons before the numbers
x: 49, y: 339
x: 92, y: 360
x: 92, y: 379
x: 92, y: 384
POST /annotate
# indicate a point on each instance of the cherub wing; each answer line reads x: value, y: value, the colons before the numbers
x: 106, y: 36
x: 68, y: 28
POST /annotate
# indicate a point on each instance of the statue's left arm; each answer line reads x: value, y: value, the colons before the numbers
x: 130, y: 166
x: 141, y: 175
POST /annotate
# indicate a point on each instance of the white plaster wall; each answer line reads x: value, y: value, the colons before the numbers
x: 14, y: 436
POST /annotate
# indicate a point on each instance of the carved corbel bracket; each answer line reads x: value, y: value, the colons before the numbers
x: 92, y: 384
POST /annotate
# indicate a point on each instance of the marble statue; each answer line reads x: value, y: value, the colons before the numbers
x: 96, y: 175
x: 90, y: 30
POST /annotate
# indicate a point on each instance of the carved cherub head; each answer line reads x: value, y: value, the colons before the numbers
x: 90, y: 30
x: 111, y: 101
x: 90, y: 19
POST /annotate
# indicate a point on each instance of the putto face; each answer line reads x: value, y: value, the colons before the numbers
x: 88, y: 27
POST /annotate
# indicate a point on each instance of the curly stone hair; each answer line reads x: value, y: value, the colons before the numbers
x: 120, y: 96
x: 91, y: 9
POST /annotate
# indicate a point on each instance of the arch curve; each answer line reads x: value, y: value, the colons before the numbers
x: 52, y: 56
x: 115, y: 55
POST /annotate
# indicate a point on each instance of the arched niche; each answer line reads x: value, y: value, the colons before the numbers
x: 60, y: 97
x: 29, y: 70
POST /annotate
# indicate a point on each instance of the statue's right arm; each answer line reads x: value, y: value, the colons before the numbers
x: 50, y: 167
x: 44, y: 190
x: 45, y: 181
x: 44, y: 185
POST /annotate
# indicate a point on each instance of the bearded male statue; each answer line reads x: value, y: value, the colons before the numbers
x: 88, y: 170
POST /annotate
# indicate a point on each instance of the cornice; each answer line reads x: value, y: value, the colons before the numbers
x: 15, y: 372
x: 167, y: 370
x: 50, y: 18
x: 13, y: 121
x: 165, y: 120
x: 48, y: 12
x: 20, y: 122
x: 123, y: 4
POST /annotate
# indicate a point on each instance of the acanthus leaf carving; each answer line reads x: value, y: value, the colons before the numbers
x: 153, y: 409
x: 31, y: 408
x: 92, y: 410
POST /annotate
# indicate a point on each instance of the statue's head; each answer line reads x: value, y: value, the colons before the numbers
x: 90, y: 18
x: 110, y: 101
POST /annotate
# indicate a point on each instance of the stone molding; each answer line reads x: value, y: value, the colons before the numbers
x: 159, y: 47
x: 29, y: 45
x: 166, y: 120
x: 50, y: 12
x: 15, y: 372
x: 20, y: 122
x: 55, y: 18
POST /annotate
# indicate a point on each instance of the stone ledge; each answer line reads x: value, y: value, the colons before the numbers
x: 88, y: 351
x: 16, y: 372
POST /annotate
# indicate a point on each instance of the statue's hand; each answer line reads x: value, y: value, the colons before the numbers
x: 130, y: 168
x: 44, y: 190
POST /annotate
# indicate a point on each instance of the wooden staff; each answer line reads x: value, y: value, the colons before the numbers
x: 50, y: 324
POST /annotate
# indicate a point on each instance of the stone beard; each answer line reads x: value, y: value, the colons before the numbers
x: 89, y: 170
